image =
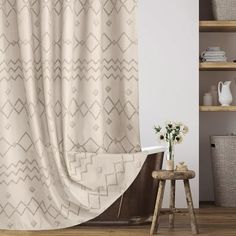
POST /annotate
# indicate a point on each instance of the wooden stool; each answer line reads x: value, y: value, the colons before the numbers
x: 162, y: 176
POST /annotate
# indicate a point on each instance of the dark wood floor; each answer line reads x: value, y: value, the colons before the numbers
x: 213, y: 221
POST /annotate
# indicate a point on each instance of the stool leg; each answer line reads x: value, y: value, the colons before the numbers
x: 190, y: 207
x: 158, y: 205
x: 172, y: 204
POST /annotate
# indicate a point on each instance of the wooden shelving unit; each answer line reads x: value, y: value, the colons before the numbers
x: 217, y: 66
x: 217, y: 108
x: 217, y: 26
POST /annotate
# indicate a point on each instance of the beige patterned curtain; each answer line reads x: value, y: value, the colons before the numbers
x: 69, y: 132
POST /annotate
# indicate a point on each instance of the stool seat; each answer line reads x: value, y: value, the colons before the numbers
x: 173, y: 175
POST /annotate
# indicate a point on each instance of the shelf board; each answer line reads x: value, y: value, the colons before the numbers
x: 218, y: 108
x: 217, y: 66
x: 217, y: 26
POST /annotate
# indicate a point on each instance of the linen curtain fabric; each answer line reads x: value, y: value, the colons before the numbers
x: 69, y: 135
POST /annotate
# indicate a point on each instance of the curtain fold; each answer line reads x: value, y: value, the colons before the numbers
x: 69, y: 128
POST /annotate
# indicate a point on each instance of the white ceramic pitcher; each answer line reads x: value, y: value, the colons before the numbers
x: 225, y: 95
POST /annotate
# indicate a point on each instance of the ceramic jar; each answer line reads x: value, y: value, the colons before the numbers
x: 207, y: 99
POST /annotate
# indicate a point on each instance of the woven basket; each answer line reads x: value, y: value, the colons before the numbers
x: 224, y: 9
x: 224, y: 170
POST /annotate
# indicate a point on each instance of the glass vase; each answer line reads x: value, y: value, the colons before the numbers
x: 170, y: 156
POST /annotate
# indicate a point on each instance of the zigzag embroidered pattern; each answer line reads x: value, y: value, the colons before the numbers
x: 69, y: 127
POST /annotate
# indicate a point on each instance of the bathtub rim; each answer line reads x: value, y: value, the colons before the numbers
x: 153, y: 149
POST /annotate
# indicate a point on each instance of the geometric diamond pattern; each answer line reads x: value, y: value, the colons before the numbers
x: 4, y: 146
x: 68, y: 102
x: 25, y: 142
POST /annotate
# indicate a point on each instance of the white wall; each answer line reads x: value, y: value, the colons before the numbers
x: 168, y: 39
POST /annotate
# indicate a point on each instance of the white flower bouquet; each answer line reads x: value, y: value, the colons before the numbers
x: 172, y: 133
